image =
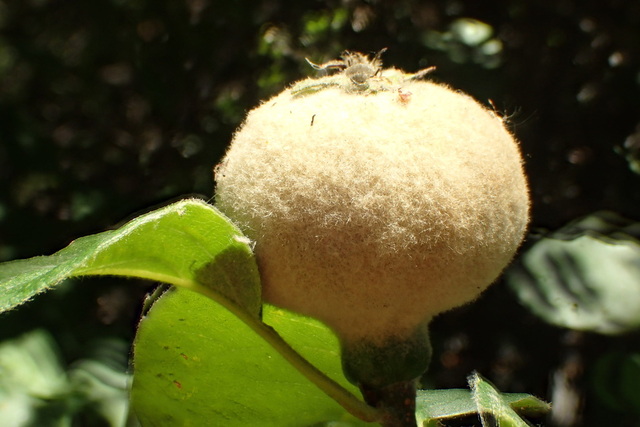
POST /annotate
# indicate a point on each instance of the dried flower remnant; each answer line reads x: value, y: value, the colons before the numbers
x: 357, y: 73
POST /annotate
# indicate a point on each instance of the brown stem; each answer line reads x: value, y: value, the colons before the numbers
x: 397, y: 400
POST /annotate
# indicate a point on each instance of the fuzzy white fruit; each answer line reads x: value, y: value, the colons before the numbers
x: 375, y: 211
x: 376, y: 202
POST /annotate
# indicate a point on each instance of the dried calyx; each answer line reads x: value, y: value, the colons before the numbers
x: 358, y: 74
x: 376, y: 201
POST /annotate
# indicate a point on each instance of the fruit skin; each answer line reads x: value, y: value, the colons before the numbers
x: 376, y: 203
x: 375, y: 210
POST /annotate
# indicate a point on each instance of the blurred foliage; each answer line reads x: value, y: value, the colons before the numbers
x: 37, y: 390
x: 583, y: 276
x: 108, y: 107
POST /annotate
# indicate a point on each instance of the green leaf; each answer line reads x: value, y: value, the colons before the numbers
x: 584, y: 276
x: 493, y: 408
x: 436, y: 408
x: 188, y: 244
x: 197, y: 364
x: 183, y: 244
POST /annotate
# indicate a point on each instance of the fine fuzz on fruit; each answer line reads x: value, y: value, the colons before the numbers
x: 371, y: 212
x: 376, y: 201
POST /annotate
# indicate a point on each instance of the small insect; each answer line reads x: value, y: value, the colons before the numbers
x: 355, y: 65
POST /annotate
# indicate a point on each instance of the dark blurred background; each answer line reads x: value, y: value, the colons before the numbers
x: 110, y: 107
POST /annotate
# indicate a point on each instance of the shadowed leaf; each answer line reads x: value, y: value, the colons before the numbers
x: 584, y: 276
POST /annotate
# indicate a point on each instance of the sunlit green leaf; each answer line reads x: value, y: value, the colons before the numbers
x: 197, y: 364
x: 493, y: 408
x: 437, y: 408
x: 182, y: 244
x: 190, y: 245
